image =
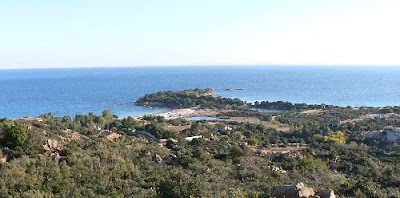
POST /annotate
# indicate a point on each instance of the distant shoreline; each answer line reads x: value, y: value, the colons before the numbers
x: 174, y: 113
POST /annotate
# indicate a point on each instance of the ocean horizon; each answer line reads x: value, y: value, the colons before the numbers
x: 71, y: 91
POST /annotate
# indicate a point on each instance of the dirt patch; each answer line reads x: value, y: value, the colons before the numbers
x: 210, y: 112
x: 273, y: 124
x: 113, y: 136
x: 176, y: 128
x: 189, y: 112
x: 347, y: 121
x: 70, y: 136
x: 280, y: 150
x: 311, y: 112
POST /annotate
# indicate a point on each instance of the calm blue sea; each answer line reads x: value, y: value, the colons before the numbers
x: 32, y: 92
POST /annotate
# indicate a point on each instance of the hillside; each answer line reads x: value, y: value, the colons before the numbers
x: 243, y: 155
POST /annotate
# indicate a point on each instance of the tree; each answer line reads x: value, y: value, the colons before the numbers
x: 180, y: 184
x: 16, y: 135
x: 338, y: 137
x: 236, y: 151
x: 309, y: 162
x: 107, y: 117
x: 253, y: 141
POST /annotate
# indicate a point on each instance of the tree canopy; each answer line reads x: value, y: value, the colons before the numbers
x: 16, y: 135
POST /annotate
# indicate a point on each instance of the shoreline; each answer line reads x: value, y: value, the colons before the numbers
x: 195, y: 111
x: 183, y: 113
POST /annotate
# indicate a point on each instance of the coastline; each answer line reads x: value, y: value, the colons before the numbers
x: 131, y: 83
x: 184, y: 113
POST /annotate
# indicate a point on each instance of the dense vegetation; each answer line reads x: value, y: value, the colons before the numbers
x: 288, y: 106
x: 80, y: 157
x: 187, y: 98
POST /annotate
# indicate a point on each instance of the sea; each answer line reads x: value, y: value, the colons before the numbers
x: 71, y: 91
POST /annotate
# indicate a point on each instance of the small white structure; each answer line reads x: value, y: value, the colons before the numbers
x: 131, y: 131
x: 193, y: 137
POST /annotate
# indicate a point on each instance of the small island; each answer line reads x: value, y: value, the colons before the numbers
x: 187, y: 98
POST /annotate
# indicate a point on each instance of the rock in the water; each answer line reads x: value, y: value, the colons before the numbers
x: 294, y: 191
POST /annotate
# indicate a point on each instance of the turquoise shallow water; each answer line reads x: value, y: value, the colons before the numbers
x: 31, y: 92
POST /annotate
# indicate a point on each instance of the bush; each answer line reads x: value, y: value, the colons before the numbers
x: 16, y: 135
x: 338, y: 137
x: 253, y: 141
x: 180, y: 184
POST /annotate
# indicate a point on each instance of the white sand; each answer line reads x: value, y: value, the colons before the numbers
x: 176, y: 113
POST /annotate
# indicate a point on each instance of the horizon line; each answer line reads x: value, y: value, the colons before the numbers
x: 211, y: 65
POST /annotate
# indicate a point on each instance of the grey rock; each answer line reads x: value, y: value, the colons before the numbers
x: 326, y: 193
x: 157, y: 158
x: 294, y: 191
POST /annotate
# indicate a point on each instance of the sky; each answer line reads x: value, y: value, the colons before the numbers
x: 96, y: 33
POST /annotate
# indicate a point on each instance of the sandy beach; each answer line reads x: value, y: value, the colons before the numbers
x: 186, y: 113
x: 177, y: 113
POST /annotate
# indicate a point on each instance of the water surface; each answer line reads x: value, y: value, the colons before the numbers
x: 31, y: 92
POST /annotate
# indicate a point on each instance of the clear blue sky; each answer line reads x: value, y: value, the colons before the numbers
x: 87, y: 33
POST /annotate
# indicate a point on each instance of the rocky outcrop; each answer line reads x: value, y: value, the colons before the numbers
x: 52, y: 148
x: 172, y: 160
x: 113, y: 136
x: 157, y: 158
x: 299, y: 190
x: 295, y: 191
x: 4, y: 159
x: 52, y: 145
x: 276, y: 169
x: 326, y: 194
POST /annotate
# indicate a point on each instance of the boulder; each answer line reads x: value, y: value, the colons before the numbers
x: 3, y: 159
x: 172, y: 160
x: 326, y: 193
x: 55, y: 155
x: 112, y: 136
x: 294, y: 191
x: 157, y: 158
x: 52, y: 145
